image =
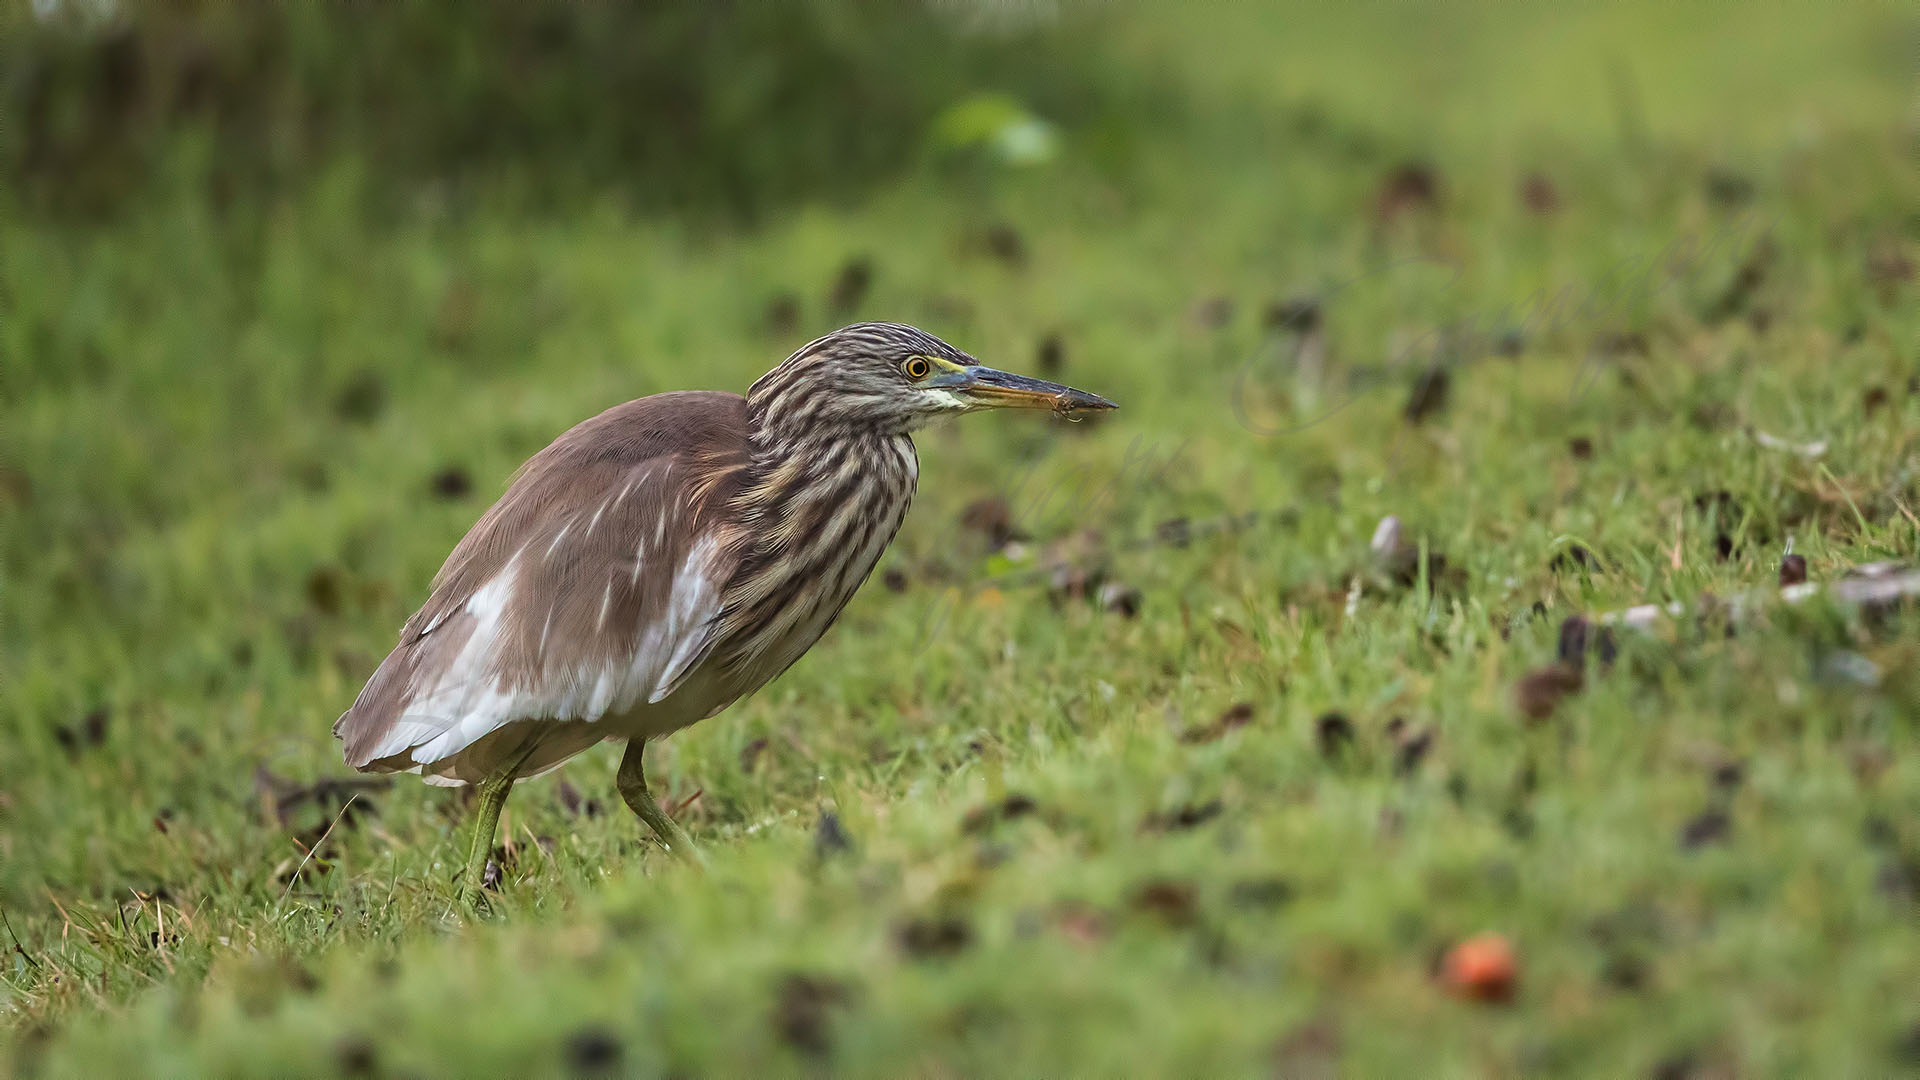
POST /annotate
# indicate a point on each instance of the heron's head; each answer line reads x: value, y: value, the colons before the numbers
x: 892, y: 377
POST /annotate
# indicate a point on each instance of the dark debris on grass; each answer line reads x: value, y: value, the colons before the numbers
x: 593, y: 1051
x: 1236, y: 716
x: 804, y: 1005
x: 451, y: 483
x: 850, y: 285
x: 830, y: 837
x: 1186, y: 816
x: 934, y: 937
x: 1171, y: 902
x: 88, y: 734
x: 1539, y: 693
x: 1013, y: 807
x: 1708, y: 827
x: 1333, y: 733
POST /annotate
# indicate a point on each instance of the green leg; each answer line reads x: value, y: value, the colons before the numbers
x: 493, y: 796
x: 633, y: 788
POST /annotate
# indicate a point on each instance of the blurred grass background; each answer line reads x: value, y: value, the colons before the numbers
x: 286, y: 292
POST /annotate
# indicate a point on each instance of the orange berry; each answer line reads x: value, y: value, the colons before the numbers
x: 1481, y: 968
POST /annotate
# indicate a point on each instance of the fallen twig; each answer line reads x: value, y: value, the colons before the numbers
x: 295, y: 877
x: 1872, y: 585
x: 1774, y: 442
x: 24, y: 955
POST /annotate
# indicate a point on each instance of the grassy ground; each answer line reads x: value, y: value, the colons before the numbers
x: 989, y: 825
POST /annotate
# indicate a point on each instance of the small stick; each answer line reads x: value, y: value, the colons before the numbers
x: 24, y: 955
x: 316, y: 846
x: 1879, y: 583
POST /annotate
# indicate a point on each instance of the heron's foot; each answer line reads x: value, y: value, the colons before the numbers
x: 632, y: 782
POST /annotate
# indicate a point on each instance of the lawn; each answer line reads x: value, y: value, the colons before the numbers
x: 1138, y: 755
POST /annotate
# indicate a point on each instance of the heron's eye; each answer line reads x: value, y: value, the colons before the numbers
x: 916, y: 368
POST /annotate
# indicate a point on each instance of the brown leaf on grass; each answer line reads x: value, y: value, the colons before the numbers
x: 677, y: 808
x: 782, y: 316
x: 1578, y: 637
x: 1428, y: 396
x: 1709, y: 827
x: 1898, y: 879
x: 1118, y: 599
x: 1211, y: 313
x: 594, y: 1051
x: 1310, y: 1051
x: 850, y: 286
x: 991, y: 517
x: 1538, y: 193
x: 280, y: 798
x: 830, y: 837
x: 1050, y: 359
x: 1575, y: 557
x: 1069, y: 582
x: 451, y: 482
x: 1724, y: 512
x: 934, y: 937
x: 1726, y: 188
x: 1728, y: 775
x: 1793, y: 570
x: 453, y: 319
x: 1333, y: 732
x: 1888, y: 264
x: 1408, y: 187
x: 1237, y: 716
x: 1082, y: 924
x: 1186, y: 816
x: 1002, y: 241
x: 1869, y: 762
x: 1011, y: 808
x: 1261, y: 893
x: 1294, y: 315
x: 1621, y: 343
x: 88, y: 733
x: 750, y: 753
x: 15, y: 488
x: 355, y: 1055
x: 803, y: 1011
x: 1540, y: 691
x: 362, y: 398
x: 1399, y: 560
x: 1174, y: 532
x: 1410, y: 750
x: 1747, y: 280
x: 325, y: 587
x: 949, y: 308
x: 1174, y: 903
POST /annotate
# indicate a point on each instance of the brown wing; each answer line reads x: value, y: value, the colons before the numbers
x: 590, y: 587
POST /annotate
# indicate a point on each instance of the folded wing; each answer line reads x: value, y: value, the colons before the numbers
x: 591, y: 589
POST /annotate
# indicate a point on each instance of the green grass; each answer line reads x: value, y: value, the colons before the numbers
x: 220, y: 434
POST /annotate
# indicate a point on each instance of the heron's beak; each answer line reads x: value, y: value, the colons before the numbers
x: 991, y: 389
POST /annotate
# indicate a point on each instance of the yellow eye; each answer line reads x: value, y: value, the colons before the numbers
x: 916, y: 368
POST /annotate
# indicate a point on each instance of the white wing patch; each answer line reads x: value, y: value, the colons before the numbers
x: 692, y: 610
x: 466, y: 701
x: 461, y: 706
